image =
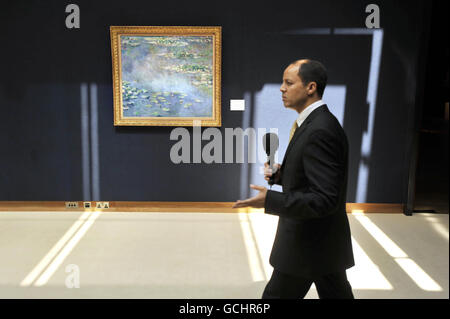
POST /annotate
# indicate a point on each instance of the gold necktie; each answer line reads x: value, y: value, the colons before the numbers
x: 294, y: 127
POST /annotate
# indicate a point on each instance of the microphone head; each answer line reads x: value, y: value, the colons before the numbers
x: 270, y: 143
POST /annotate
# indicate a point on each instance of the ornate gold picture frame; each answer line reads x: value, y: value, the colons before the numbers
x: 166, y: 76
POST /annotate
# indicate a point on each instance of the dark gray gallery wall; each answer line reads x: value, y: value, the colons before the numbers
x: 44, y: 66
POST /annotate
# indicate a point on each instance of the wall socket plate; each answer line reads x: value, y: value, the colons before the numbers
x: 71, y: 204
x: 102, y: 205
x: 87, y: 204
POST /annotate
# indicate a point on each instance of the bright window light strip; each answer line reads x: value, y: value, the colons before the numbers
x: 85, y: 154
x: 28, y: 280
x: 355, y: 31
x: 417, y: 274
x: 366, y: 274
x: 337, y: 95
x: 245, y: 169
x: 420, y: 277
x: 363, y: 178
x: 254, y: 259
x: 366, y: 145
x: 43, y: 279
x: 389, y: 246
x: 264, y: 228
x: 440, y: 229
x: 95, y: 156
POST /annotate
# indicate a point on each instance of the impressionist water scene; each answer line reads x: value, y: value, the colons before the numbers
x: 167, y: 76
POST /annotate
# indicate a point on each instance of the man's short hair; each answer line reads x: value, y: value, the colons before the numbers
x: 313, y: 71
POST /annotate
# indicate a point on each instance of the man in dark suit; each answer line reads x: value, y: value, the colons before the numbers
x: 313, y: 242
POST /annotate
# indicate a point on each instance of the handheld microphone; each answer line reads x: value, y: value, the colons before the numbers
x: 270, y: 144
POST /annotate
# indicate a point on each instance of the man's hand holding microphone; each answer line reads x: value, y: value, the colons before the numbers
x: 272, y: 175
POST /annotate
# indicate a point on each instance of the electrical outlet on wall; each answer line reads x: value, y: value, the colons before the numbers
x: 102, y: 205
x: 71, y: 204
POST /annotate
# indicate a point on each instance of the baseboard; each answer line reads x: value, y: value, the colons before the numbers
x: 377, y: 208
x: 178, y: 207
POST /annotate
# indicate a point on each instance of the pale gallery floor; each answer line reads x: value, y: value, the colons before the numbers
x: 204, y: 255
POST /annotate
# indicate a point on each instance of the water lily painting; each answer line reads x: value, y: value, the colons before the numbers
x: 166, y: 76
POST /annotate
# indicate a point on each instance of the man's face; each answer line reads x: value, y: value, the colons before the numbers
x: 294, y: 93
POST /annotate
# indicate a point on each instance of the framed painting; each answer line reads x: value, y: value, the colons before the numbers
x: 166, y: 76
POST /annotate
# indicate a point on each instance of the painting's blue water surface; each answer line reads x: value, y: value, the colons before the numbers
x: 170, y: 76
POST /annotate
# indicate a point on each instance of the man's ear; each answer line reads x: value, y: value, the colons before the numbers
x: 312, y: 88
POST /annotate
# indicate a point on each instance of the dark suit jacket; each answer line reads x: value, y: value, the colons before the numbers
x: 313, y: 235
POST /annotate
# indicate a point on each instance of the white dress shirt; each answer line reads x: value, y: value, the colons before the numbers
x: 305, y: 113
